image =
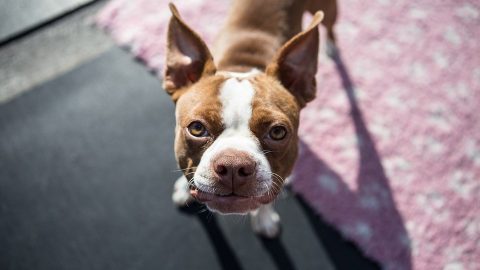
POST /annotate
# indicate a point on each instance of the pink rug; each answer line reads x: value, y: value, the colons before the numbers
x: 391, y: 146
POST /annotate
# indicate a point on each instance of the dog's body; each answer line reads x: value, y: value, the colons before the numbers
x: 255, y: 30
x: 237, y: 117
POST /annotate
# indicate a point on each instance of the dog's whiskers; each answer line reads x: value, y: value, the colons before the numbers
x: 183, y: 170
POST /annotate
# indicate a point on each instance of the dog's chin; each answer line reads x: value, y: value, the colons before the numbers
x: 231, y: 204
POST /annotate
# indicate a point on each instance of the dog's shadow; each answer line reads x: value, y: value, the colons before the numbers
x: 225, y: 254
x: 379, y: 220
x: 278, y: 253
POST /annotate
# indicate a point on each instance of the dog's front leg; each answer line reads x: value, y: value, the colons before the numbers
x: 265, y: 221
x: 181, y: 192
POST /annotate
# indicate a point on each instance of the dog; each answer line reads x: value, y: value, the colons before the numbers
x: 237, y: 110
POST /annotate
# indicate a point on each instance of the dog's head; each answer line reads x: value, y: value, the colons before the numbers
x: 236, y: 134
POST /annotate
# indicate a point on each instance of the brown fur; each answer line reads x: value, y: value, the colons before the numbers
x: 253, y: 34
x: 252, y: 38
x: 199, y: 103
x: 274, y: 105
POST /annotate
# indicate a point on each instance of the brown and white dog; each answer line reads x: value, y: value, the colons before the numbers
x: 237, y: 112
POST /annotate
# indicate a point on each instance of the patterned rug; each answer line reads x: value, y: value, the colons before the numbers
x: 391, y: 146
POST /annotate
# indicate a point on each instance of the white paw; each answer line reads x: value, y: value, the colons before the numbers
x: 181, y: 192
x: 288, y: 181
x: 266, y: 222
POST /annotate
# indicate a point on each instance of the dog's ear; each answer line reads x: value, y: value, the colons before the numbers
x: 188, y: 58
x: 295, y: 64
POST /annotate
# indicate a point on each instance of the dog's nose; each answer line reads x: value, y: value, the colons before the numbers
x: 234, y: 168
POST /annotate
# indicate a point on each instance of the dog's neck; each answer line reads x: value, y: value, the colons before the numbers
x: 254, y: 31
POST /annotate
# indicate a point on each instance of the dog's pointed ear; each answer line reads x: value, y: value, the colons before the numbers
x: 295, y: 64
x: 188, y: 57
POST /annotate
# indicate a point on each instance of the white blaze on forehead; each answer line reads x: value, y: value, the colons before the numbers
x: 236, y: 97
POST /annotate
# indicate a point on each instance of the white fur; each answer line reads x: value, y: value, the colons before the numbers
x: 236, y: 96
x: 265, y: 221
x: 181, y: 192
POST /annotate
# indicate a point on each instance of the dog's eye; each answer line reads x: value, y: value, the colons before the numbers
x: 197, y: 129
x: 277, y: 133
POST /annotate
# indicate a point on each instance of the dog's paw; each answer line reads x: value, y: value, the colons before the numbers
x: 266, y: 222
x: 288, y: 181
x: 181, y: 193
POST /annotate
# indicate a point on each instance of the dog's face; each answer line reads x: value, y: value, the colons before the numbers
x: 236, y: 134
x: 239, y: 139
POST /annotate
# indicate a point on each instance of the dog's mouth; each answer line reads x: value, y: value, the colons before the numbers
x: 230, y: 203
